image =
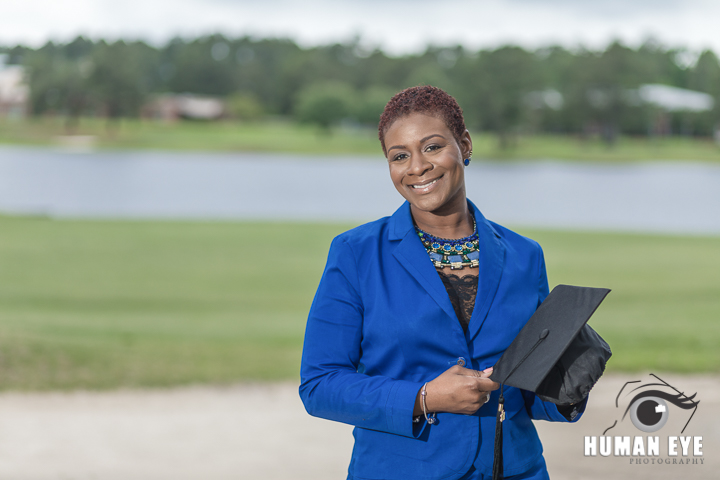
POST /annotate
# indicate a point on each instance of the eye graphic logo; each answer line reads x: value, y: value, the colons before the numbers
x: 648, y: 404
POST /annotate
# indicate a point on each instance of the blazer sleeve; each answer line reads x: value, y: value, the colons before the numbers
x: 539, y: 409
x: 331, y: 386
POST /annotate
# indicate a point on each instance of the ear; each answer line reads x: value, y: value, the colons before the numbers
x: 465, y: 145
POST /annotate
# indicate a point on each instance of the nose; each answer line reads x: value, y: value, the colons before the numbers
x: 419, y: 165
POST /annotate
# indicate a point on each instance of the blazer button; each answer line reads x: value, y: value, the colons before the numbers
x: 461, y: 361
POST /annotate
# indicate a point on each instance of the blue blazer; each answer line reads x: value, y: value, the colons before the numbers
x: 381, y: 324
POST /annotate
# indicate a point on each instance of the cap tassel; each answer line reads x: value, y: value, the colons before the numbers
x: 498, y: 456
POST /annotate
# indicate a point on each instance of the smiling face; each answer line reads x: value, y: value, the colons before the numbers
x: 426, y: 164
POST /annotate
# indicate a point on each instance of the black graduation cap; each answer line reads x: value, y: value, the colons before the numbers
x: 556, y: 354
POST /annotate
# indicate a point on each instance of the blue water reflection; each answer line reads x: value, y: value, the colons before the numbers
x: 653, y: 196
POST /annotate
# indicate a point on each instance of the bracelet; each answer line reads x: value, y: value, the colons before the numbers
x: 432, y: 418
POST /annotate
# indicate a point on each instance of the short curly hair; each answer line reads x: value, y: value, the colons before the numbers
x: 423, y: 99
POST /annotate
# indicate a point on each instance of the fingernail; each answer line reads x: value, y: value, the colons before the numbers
x: 488, y: 370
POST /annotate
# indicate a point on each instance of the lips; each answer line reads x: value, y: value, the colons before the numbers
x: 425, y: 187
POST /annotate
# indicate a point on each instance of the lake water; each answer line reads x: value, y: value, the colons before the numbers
x: 654, y: 196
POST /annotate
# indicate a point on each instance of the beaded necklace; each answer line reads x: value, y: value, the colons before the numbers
x: 456, y: 254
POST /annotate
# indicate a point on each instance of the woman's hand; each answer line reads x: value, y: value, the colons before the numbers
x: 457, y: 390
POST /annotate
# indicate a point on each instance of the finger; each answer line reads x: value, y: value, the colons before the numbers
x: 472, y: 373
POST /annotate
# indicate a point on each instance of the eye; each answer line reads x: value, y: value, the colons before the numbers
x: 399, y: 156
x: 432, y: 147
x: 649, y: 405
x: 649, y: 409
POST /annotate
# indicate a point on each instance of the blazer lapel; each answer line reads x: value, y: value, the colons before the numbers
x: 492, y: 260
x: 412, y: 255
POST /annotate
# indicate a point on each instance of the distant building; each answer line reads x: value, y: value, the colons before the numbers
x: 14, y: 92
x: 667, y: 100
x: 172, y: 107
x: 673, y: 99
x: 665, y: 103
x: 664, y: 97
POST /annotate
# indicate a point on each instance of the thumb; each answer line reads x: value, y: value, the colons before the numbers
x: 484, y: 384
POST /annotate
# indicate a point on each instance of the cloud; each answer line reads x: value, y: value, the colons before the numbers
x: 399, y: 26
x: 614, y: 7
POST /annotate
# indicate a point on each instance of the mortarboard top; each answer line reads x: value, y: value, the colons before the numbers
x: 555, y: 328
x: 556, y: 355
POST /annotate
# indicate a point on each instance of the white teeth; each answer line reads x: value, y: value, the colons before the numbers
x: 425, y: 185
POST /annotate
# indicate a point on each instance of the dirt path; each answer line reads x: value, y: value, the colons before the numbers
x: 262, y: 432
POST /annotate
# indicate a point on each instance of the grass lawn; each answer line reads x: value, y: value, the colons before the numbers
x: 102, y: 304
x: 285, y: 136
x: 271, y: 136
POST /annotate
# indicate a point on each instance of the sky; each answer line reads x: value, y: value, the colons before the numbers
x: 396, y: 26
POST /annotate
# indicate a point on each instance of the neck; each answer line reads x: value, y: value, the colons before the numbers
x: 451, y: 223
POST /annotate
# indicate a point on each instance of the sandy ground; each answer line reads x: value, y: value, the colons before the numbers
x: 262, y: 432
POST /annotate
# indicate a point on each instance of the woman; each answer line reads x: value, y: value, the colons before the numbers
x: 414, y: 309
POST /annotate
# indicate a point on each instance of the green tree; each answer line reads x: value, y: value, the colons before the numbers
x: 325, y: 104
x: 500, y: 80
x: 705, y: 77
x: 119, y: 78
x: 204, y: 65
x: 58, y: 80
x: 598, y: 99
x: 371, y: 104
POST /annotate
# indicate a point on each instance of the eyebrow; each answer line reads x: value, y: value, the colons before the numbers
x: 425, y: 139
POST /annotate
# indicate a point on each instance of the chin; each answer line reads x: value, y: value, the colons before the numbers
x: 429, y: 205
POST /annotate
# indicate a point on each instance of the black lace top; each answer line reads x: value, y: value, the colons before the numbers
x: 462, y: 292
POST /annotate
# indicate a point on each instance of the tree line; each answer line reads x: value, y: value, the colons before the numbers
x: 506, y: 90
